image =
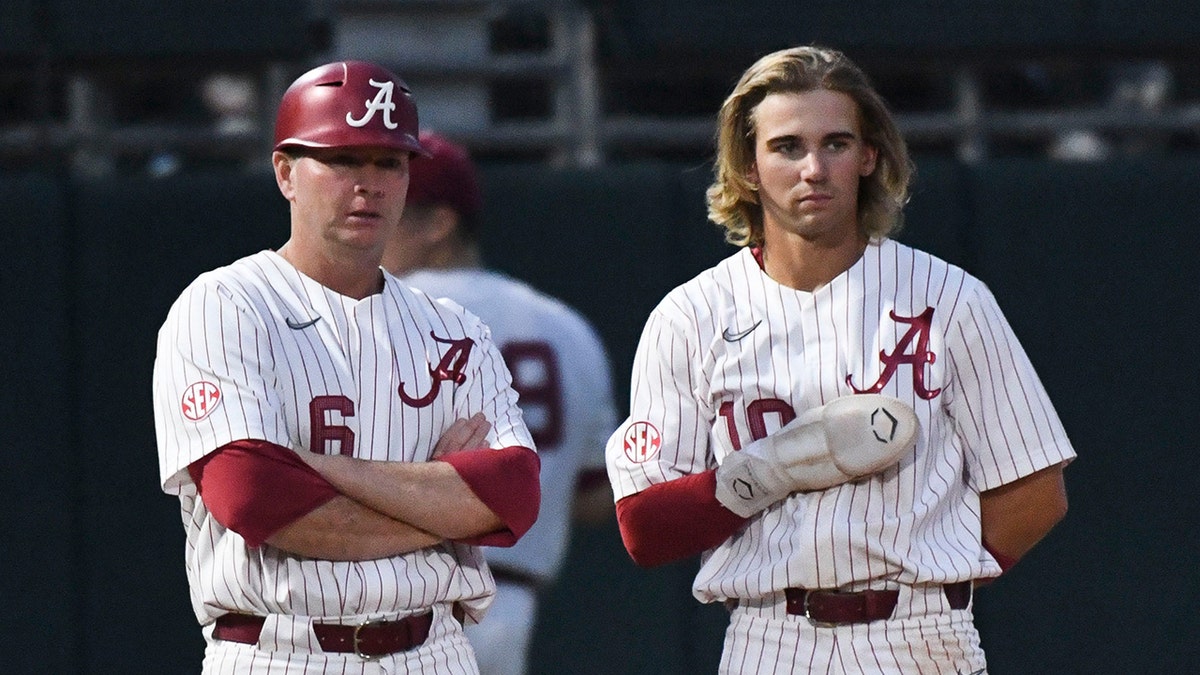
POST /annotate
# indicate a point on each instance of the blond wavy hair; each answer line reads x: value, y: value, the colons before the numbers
x: 732, y: 200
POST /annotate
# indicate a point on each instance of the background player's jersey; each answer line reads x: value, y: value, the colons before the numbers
x: 561, y: 373
x: 731, y: 355
x: 257, y: 350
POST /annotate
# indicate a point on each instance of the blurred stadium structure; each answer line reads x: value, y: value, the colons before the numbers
x: 133, y: 156
x: 136, y: 86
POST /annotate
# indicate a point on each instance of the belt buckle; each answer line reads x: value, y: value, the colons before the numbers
x: 815, y: 622
x: 356, y: 641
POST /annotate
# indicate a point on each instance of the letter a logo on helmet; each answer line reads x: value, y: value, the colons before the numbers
x: 381, y: 102
x: 324, y: 108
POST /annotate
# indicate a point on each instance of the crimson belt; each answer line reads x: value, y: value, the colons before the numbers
x: 371, y: 639
x: 839, y: 607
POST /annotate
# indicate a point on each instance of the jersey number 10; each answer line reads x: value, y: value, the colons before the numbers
x: 756, y: 415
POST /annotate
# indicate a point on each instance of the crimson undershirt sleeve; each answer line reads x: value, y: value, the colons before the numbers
x: 506, y: 481
x: 675, y: 520
x: 255, y: 487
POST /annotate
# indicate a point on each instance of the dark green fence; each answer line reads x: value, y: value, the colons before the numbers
x: 1090, y: 262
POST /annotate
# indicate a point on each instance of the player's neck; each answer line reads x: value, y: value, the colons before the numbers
x: 458, y: 256
x: 441, y: 258
x: 462, y: 256
x: 806, y: 264
x: 354, y: 276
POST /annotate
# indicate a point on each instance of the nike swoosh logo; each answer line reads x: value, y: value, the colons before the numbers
x: 730, y: 336
x: 296, y: 325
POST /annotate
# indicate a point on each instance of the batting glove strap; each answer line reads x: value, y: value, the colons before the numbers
x: 747, y: 484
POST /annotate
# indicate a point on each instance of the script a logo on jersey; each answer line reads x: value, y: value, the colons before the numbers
x: 449, y: 369
x: 918, y: 330
x: 199, y: 400
x: 642, y: 441
x: 382, y: 103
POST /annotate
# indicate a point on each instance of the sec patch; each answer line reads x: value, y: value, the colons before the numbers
x: 199, y: 400
x: 642, y: 442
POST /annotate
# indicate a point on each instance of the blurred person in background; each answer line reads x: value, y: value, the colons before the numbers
x: 559, y: 370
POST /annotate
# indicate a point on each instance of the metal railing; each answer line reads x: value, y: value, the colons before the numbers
x: 575, y: 132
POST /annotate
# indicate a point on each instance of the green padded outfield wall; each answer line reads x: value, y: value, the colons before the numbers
x: 139, y: 242
x: 39, y: 476
x: 1095, y: 267
x: 1092, y: 264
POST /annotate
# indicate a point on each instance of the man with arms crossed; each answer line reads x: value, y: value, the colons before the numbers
x: 340, y: 444
x: 845, y: 427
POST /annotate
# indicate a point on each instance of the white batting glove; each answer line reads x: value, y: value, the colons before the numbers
x: 847, y: 438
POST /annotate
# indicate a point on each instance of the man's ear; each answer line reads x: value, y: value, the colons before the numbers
x: 283, y: 174
x: 870, y: 161
x: 441, y: 225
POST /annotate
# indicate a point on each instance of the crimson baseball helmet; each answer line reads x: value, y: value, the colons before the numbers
x: 348, y: 103
x: 445, y: 175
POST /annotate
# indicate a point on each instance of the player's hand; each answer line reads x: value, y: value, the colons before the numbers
x: 464, y: 434
x: 848, y: 438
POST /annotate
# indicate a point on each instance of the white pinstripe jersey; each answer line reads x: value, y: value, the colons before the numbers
x: 732, y: 355
x: 561, y: 372
x: 257, y: 350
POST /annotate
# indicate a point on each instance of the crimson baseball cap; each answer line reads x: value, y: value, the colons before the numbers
x: 445, y: 175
